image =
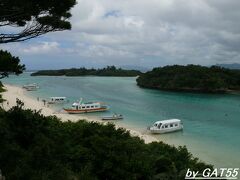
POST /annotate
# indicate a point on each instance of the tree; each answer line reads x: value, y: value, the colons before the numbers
x: 27, y: 19
x: 9, y: 64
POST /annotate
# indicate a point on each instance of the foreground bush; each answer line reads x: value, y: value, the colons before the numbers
x: 36, y: 147
x: 1, y: 90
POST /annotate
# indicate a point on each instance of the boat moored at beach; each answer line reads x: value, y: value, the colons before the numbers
x: 81, y: 107
x: 57, y: 100
x: 31, y: 87
x: 166, y: 126
x: 113, y: 117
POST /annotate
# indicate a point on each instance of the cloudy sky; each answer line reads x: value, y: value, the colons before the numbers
x: 143, y: 33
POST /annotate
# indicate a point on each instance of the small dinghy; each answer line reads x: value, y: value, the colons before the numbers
x: 31, y: 87
x: 113, y: 117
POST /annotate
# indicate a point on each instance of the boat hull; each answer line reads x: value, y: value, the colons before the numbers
x: 50, y: 102
x: 161, y: 131
x: 112, y: 118
x: 80, y: 111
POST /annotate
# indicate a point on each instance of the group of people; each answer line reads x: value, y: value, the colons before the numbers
x: 44, y: 101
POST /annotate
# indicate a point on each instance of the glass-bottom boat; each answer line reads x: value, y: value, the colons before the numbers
x: 166, y: 126
x: 81, y: 107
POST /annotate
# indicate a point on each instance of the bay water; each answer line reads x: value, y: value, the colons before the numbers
x: 211, y: 121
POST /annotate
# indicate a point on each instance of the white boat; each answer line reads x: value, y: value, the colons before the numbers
x: 31, y: 87
x: 81, y: 107
x: 57, y: 100
x: 166, y: 126
x: 113, y: 117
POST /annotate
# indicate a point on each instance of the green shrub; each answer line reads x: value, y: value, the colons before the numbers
x: 38, y: 147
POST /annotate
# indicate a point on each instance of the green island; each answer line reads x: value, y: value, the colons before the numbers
x: 108, y: 71
x: 191, y: 78
x: 37, y: 147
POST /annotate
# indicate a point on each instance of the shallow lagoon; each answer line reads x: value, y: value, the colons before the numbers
x: 211, y: 121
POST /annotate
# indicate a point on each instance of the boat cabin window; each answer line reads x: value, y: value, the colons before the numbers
x: 88, y: 106
x: 83, y: 107
x: 155, y: 124
x: 166, y: 126
x: 92, y: 106
x: 171, y: 125
x: 159, y: 125
x: 176, y: 124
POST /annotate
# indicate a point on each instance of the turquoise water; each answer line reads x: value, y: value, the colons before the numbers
x: 211, y: 122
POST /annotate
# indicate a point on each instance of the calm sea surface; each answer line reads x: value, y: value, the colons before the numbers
x: 211, y: 122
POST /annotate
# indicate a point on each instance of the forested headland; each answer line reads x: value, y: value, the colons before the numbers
x: 108, y: 71
x: 37, y: 147
x: 191, y: 78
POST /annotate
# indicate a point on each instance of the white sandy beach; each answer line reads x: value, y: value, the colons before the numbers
x: 14, y: 92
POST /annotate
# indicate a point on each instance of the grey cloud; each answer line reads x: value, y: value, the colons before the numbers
x: 151, y: 32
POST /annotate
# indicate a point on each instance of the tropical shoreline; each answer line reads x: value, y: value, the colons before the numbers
x: 14, y: 92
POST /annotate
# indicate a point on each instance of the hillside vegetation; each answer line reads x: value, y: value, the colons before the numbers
x: 38, y: 147
x: 191, y: 78
x: 108, y: 71
x: 1, y: 90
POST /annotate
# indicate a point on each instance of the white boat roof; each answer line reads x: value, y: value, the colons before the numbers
x: 58, y: 97
x: 168, y: 121
x: 86, y: 104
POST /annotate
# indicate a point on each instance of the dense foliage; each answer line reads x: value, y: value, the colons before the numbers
x: 191, y: 78
x: 108, y: 71
x: 38, y: 147
x: 27, y: 19
x: 9, y: 64
x: 1, y: 90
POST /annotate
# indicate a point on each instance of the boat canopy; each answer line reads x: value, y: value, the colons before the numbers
x: 168, y: 121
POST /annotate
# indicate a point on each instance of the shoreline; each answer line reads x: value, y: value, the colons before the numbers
x: 197, y: 150
x: 193, y: 90
x: 13, y: 92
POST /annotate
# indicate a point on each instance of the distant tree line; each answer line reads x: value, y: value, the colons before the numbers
x: 33, y: 146
x: 191, y: 78
x: 108, y: 71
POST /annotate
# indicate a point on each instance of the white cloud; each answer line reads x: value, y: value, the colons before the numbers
x: 42, y: 48
x: 149, y: 32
